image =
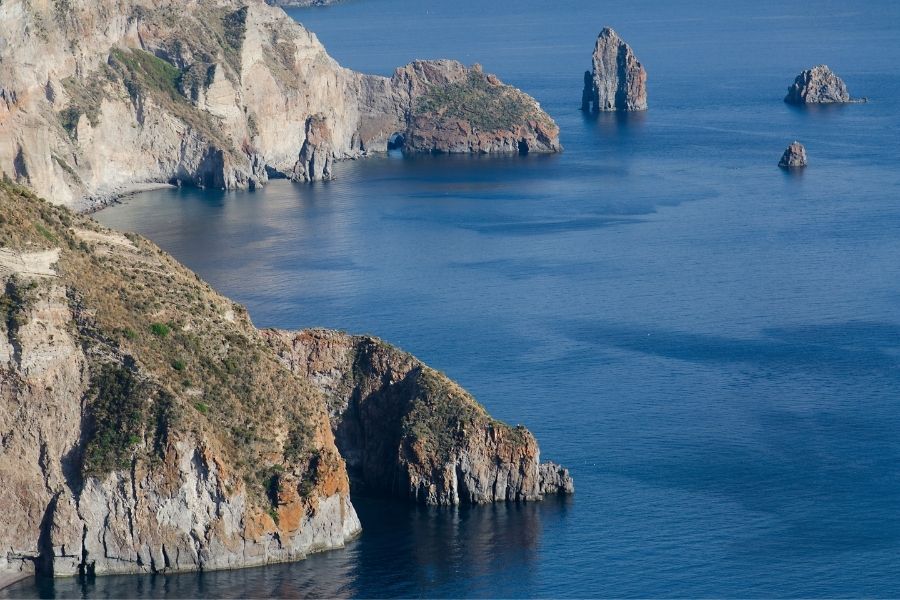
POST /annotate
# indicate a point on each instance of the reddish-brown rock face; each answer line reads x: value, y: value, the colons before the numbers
x: 451, y: 109
x: 409, y: 431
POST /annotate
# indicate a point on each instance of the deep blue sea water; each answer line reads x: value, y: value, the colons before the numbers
x: 711, y: 345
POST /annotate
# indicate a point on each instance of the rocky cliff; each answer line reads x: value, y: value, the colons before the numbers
x: 409, y: 431
x: 617, y: 80
x: 819, y: 85
x: 98, y: 97
x: 147, y: 426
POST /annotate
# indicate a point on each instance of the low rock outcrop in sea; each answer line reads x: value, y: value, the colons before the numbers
x: 147, y: 426
x: 819, y: 85
x: 451, y: 109
x: 794, y: 156
x: 617, y: 80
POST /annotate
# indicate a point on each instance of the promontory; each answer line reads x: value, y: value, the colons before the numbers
x: 102, y: 97
x: 147, y: 426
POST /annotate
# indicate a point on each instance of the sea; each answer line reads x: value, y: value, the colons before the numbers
x: 709, y: 343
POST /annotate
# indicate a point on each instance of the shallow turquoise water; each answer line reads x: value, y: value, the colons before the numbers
x: 710, y: 344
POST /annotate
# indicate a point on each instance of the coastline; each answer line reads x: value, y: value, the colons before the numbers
x: 89, y: 205
x: 8, y: 578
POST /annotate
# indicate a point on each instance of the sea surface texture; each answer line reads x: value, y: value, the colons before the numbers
x: 710, y: 343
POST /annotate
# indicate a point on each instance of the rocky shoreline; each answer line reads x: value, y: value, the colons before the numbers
x: 225, y: 96
x: 149, y: 427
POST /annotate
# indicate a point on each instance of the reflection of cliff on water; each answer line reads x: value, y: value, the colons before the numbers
x: 404, y: 551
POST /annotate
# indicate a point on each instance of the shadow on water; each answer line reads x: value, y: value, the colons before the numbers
x: 616, y: 123
x: 404, y: 551
x: 793, y: 174
x: 820, y: 110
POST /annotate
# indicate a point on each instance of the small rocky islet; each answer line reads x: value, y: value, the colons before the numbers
x: 794, y: 157
x: 617, y: 80
x: 819, y: 85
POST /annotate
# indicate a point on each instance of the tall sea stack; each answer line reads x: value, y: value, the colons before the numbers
x: 618, y: 80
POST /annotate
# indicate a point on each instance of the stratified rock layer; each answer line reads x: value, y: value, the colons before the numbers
x: 407, y: 430
x: 819, y: 85
x: 617, y: 80
x: 794, y: 156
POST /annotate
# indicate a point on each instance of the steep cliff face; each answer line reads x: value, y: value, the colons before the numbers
x: 819, y: 85
x: 145, y: 425
x: 409, y: 431
x: 617, y: 80
x: 100, y: 96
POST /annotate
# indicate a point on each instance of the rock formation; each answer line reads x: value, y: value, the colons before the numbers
x: 794, y: 156
x: 819, y: 85
x: 617, y: 80
x: 449, y: 108
x: 316, y: 156
x: 407, y: 430
x: 99, y: 96
x: 147, y: 426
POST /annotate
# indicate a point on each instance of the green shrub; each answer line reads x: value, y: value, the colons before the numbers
x: 484, y: 105
x: 45, y: 232
x: 68, y: 118
x: 160, y: 329
x: 178, y: 364
x: 201, y: 408
x: 14, y: 304
x: 162, y: 418
x: 145, y: 71
x: 115, y: 419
